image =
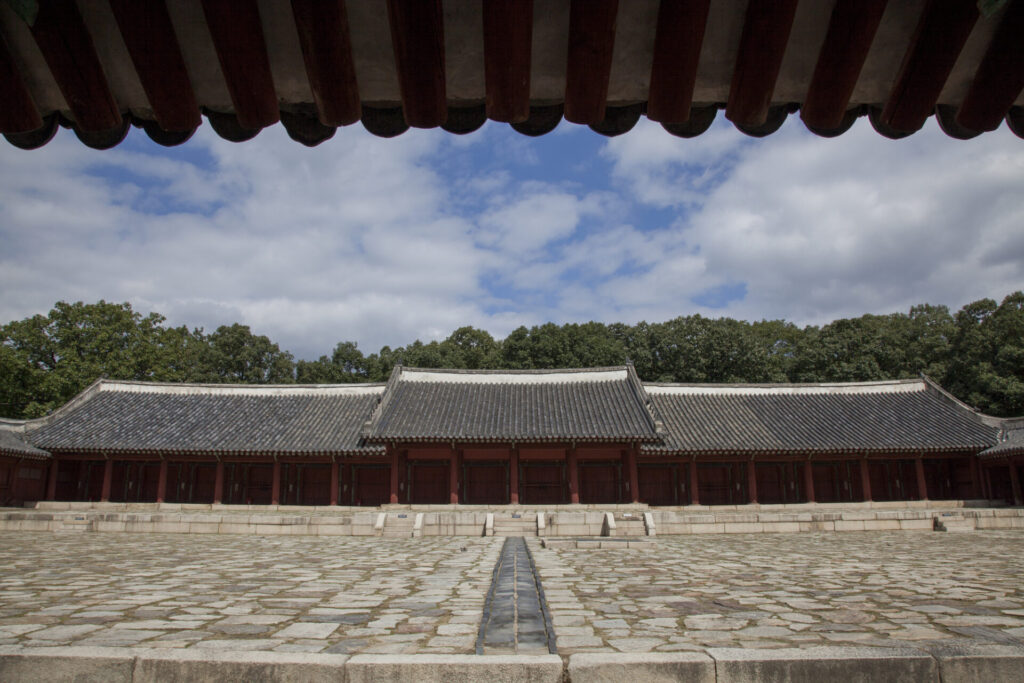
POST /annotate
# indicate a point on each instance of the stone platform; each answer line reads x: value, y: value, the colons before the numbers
x: 867, y: 606
x: 403, y: 521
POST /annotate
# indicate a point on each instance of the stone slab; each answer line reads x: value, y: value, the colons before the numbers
x: 817, y: 664
x: 651, y: 667
x: 79, y: 664
x: 454, y: 668
x: 190, y: 665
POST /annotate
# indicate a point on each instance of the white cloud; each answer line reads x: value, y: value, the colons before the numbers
x: 368, y: 240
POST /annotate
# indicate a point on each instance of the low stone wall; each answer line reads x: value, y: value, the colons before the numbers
x: 508, y: 520
x: 993, y: 664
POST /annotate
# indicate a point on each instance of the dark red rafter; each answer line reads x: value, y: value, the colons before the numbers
x: 591, y: 41
x: 851, y: 30
x: 417, y: 35
x: 242, y: 52
x: 68, y: 50
x: 327, y: 52
x: 766, y: 30
x: 508, y: 36
x: 149, y: 36
x: 18, y: 113
x: 677, y: 44
x: 938, y: 39
x: 1000, y: 76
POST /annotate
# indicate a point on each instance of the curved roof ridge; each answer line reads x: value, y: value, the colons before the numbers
x: 235, y: 389
x: 873, y: 387
x: 528, y: 376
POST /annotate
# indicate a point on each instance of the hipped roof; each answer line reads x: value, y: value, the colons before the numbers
x: 897, y: 416
x: 142, y: 418
x: 604, y: 404
x: 103, y: 65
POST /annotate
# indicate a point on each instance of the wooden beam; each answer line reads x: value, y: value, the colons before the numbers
x: 153, y: 47
x: 677, y: 43
x: 327, y: 52
x: 417, y: 36
x: 242, y: 52
x: 18, y: 113
x: 766, y: 30
x: 591, y: 41
x: 508, y: 40
x: 1000, y: 76
x: 938, y: 39
x: 851, y: 31
x: 68, y: 50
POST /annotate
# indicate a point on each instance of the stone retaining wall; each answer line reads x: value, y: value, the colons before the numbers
x: 449, y: 521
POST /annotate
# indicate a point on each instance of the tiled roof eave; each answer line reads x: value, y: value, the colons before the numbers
x: 831, y: 450
x: 26, y: 455
x: 561, y: 438
x: 192, y: 452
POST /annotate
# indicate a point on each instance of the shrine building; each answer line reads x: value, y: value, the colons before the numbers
x: 506, y: 437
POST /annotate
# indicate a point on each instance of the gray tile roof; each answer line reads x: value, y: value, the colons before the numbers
x: 1011, y: 443
x: 136, y: 417
x: 884, y: 416
x: 605, y: 404
x: 13, y: 443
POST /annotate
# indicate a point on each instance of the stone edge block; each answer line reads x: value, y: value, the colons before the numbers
x: 454, y: 668
x: 995, y: 663
x: 649, y: 667
x: 194, y: 665
x: 847, y: 664
x: 79, y: 664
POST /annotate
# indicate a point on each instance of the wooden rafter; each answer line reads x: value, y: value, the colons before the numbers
x: 417, y: 35
x: 508, y: 36
x: 153, y: 47
x: 591, y: 41
x: 1000, y: 76
x: 677, y: 44
x: 242, y: 52
x: 851, y: 31
x: 68, y: 50
x: 18, y: 113
x: 766, y: 29
x: 327, y: 53
x: 938, y: 40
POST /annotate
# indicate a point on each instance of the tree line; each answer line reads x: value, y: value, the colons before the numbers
x: 976, y: 353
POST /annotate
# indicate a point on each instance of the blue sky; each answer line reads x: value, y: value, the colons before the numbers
x: 386, y: 241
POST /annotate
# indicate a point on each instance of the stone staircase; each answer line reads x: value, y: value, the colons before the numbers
x: 624, y: 525
x: 401, y: 524
x: 954, y: 522
x: 515, y: 524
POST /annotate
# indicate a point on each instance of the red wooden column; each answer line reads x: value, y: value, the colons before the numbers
x: 634, y: 476
x: 865, y: 479
x: 922, y: 485
x: 51, y: 482
x: 218, y: 483
x: 976, y: 489
x: 1018, y: 498
x: 108, y: 473
x: 513, y: 476
x: 574, y: 477
x: 809, y: 480
x: 334, y: 482
x: 751, y: 482
x: 275, y: 489
x: 453, y: 478
x: 694, y: 488
x: 161, y: 482
x: 394, y: 477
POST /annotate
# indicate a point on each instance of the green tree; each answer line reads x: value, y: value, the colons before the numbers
x: 234, y: 354
x: 345, y: 365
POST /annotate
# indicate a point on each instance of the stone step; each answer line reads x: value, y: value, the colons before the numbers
x: 954, y: 523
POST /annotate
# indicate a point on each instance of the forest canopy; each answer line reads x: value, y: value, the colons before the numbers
x: 976, y: 353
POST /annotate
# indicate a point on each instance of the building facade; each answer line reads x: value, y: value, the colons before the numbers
x: 533, y: 438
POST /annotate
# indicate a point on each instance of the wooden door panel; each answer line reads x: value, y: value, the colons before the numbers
x: 486, y: 483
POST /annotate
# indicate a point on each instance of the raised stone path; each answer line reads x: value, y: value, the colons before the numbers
x: 515, y: 617
x: 705, y: 600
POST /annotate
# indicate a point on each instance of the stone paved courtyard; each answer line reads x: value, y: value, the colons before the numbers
x: 381, y: 595
x: 788, y: 590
